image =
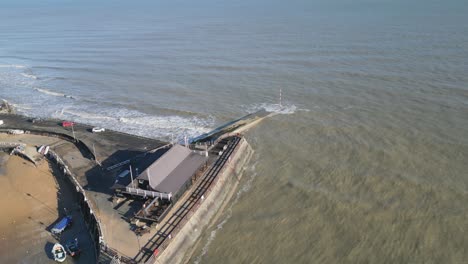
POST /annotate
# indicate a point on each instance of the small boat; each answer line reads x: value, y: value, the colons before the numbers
x: 46, y: 150
x: 59, y: 253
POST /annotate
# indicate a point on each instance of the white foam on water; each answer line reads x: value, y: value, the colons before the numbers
x: 21, y: 107
x: 167, y: 122
x: 51, y: 103
x: 15, y: 83
x: 85, y: 115
x: 30, y: 76
x: 16, y: 66
x: 285, y: 109
x: 138, y: 123
x: 166, y: 126
x: 244, y: 188
x: 48, y: 92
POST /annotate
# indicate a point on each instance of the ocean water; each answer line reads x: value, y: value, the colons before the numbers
x: 368, y: 160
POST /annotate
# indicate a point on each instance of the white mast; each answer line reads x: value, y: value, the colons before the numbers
x: 281, y: 98
x: 73, y: 131
x: 95, y: 157
x: 131, y: 176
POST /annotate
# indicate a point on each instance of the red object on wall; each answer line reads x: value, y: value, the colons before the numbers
x: 156, y: 252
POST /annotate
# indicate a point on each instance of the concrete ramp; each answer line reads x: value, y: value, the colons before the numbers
x: 27, y: 152
x: 237, y: 126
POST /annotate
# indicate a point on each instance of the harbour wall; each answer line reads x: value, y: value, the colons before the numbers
x: 84, y: 149
x: 92, y: 224
x: 181, y: 246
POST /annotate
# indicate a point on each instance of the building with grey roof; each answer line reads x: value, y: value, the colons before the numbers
x: 172, y: 172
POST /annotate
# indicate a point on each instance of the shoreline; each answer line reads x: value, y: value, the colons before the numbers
x: 92, y: 180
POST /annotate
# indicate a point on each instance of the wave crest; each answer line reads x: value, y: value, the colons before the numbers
x: 285, y: 109
x: 134, y: 122
x: 16, y: 66
x: 48, y: 92
x: 30, y: 76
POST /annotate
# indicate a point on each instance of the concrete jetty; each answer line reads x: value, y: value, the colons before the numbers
x: 98, y: 162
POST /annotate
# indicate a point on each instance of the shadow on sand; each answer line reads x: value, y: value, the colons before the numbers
x: 68, y: 205
x: 48, y: 250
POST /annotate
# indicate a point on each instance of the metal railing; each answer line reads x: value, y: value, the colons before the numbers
x: 161, y: 240
x: 11, y: 144
x: 91, y: 221
x: 146, y: 193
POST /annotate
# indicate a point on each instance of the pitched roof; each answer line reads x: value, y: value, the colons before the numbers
x: 179, y: 176
x: 173, y: 169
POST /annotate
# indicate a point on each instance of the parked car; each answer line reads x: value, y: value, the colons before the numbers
x: 1, y: 122
x: 35, y: 120
x: 67, y: 124
x: 72, y: 247
x: 97, y: 129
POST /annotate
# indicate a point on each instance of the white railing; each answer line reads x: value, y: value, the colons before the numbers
x: 146, y: 193
x: 11, y: 144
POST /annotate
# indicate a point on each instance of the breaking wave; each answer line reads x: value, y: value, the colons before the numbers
x: 21, y: 107
x: 30, y: 76
x: 84, y: 115
x: 285, y: 109
x: 48, y: 92
x: 134, y: 122
x: 166, y: 122
x: 16, y: 66
x: 166, y: 126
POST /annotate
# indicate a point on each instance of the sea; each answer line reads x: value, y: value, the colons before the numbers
x: 367, y: 158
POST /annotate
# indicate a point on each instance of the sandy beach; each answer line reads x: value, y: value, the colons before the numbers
x: 33, y: 200
x: 29, y: 205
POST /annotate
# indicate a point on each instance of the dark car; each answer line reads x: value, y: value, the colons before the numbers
x: 35, y: 120
x: 73, y: 248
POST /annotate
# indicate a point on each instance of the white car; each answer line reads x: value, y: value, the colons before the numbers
x: 98, y: 129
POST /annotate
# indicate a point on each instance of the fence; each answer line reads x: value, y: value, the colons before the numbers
x: 79, y: 144
x: 11, y: 144
x: 91, y: 221
x: 114, y: 254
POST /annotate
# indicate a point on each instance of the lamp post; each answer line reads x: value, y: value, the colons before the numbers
x: 73, y: 131
x: 131, y: 176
